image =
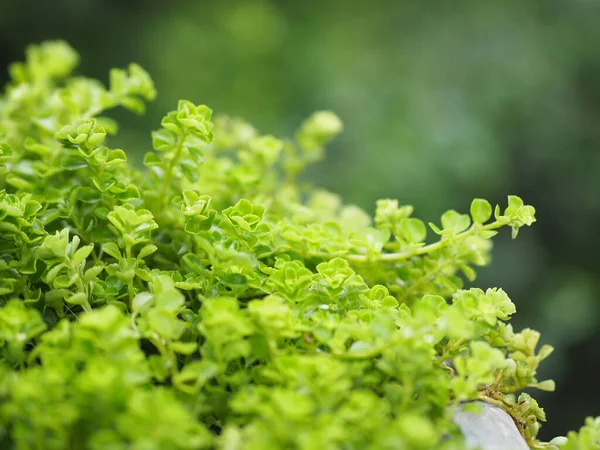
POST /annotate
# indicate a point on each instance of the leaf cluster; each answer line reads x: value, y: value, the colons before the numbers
x: 213, y: 301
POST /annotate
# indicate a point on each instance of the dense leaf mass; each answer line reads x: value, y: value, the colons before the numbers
x: 214, y: 301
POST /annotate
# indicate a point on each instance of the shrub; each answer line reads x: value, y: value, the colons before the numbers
x: 214, y: 301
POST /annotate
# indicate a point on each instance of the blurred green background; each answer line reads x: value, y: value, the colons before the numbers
x: 443, y: 101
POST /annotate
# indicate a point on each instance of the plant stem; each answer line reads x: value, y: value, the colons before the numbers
x: 398, y: 256
x: 170, y: 167
x: 411, y: 288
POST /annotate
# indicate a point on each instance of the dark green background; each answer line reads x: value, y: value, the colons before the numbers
x: 442, y: 101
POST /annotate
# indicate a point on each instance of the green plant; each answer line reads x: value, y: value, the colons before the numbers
x: 213, y: 301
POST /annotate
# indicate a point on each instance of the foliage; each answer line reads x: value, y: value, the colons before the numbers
x: 588, y: 436
x: 213, y: 301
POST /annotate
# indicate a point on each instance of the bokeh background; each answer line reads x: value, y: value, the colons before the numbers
x: 442, y: 101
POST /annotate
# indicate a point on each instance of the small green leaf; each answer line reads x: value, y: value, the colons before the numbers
x: 73, y: 162
x: 112, y: 249
x: 547, y: 385
x: 413, y: 230
x: 92, y: 273
x: 234, y: 280
x: 77, y: 299
x: 64, y: 281
x: 116, y: 157
x: 147, y: 250
x: 435, y: 228
x: 481, y: 210
x: 184, y: 348
x: 194, y: 263
x: 88, y: 195
x: 141, y: 301
x: 82, y: 253
x: 455, y: 222
x: 545, y: 351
